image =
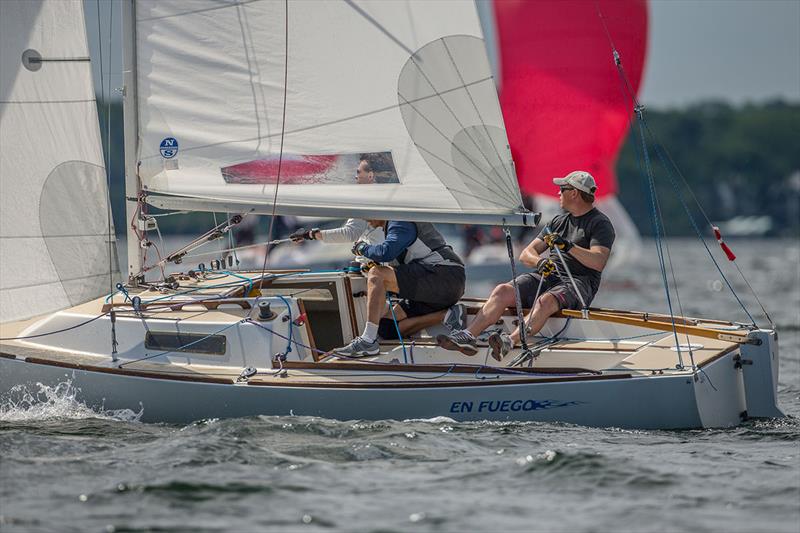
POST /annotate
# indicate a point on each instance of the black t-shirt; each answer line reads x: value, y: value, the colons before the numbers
x: 590, y: 229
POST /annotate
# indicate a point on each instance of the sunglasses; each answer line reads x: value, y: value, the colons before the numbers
x: 567, y: 189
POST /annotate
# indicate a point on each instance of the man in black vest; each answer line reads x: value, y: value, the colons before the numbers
x: 584, y: 237
x: 425, y: 272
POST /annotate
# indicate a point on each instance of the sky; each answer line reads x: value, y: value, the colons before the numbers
x: 734, y: 50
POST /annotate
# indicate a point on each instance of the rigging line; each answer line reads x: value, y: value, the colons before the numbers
x: 702, y: 240
x: 477, y: 111
x: 379, y: 26
x: 107, y: 156
x: 246, y: 51
x: 236, y: 248
x: 664, y: 154
x: 328, y: 123
x: 454, y: 146
x: 283, y: 131
x: 605, y: 26
x: 54, y: 332
x: 628, y: 91
x: 656, y: 218
x: 458, y: 121
x: 678, y: 298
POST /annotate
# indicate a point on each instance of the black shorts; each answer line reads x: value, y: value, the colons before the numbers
x: 562, y: 289
x: 428, y: 288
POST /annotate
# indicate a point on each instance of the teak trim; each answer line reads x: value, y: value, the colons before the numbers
x: 729, y: 336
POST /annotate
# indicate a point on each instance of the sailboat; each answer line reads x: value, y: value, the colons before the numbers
x: 261, y: 108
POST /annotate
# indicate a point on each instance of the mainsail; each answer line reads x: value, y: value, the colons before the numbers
x: 55, y: 243
x: 238, y: 98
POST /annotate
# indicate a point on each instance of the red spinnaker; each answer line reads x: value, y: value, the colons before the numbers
x: 562, y: 99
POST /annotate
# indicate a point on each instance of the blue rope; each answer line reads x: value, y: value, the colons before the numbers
x: 249, y: 280
x: 397, y: 327
x: 120, y: 288
x: 291, y: 324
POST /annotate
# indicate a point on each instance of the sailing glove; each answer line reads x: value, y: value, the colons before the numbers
x: 301, y: 235
x: 359, y: 247
x: 553, y: 240
x: 545, y: 267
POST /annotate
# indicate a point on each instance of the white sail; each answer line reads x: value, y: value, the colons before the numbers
x: 406, y: 82
x: 54, y: 227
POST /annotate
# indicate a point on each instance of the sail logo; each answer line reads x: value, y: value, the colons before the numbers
x: 169, y: 148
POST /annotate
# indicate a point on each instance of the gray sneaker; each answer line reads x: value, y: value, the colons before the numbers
x: 501, y: 344
x: 461, y: 340
x: 359, y: 347
x: 456, y: 318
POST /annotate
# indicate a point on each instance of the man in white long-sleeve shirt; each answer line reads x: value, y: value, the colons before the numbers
x: 355, y: 229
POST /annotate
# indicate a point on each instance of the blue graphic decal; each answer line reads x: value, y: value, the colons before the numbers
x: 169, y: 148
x: 505, y: 406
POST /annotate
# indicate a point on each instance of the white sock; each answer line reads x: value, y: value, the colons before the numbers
x: 370, y: 332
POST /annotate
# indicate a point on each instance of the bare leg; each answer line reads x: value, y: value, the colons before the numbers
x: 502, y: 297
x: 545, y: 307
x: 411, y: 325
x: 379, y: 280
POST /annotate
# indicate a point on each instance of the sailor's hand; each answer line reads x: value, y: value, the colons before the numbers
x: 554, y: 240
x: 359, y: 247
x: 545, y: 267
x: 301, y: 234
x: 367, y: 266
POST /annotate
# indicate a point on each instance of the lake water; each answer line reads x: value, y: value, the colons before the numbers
x: 64, y: 467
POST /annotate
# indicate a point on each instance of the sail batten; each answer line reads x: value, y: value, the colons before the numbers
x: 405, y: 85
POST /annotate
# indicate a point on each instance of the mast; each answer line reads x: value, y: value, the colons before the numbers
x: 131, y: 131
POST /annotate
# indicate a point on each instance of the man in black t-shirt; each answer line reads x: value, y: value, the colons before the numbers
x: 584, y: 237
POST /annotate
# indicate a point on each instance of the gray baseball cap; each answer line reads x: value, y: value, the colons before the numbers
x: 583, y: 181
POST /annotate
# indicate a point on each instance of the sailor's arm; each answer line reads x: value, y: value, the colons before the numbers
x: 595, y: 257
x: 349, y: 232
x: 531, y: 255
x: 399, y: 236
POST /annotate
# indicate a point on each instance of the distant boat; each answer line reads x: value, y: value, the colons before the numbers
x: 211, y: 86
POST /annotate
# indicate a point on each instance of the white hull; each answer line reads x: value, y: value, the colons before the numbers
x: 645, y: 403
x: 628, y: 381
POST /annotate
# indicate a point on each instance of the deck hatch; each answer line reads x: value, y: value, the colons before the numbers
x: 186, y: 342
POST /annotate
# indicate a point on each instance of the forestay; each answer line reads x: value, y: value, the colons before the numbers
x: 407, y: 84
x: 54, y: 227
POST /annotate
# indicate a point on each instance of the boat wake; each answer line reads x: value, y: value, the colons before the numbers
x: 23, y: 404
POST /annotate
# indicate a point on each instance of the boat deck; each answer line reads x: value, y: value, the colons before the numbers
x: 645, y: 344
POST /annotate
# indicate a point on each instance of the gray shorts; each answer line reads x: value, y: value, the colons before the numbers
x: 562, y: 289
x: 429, y: 288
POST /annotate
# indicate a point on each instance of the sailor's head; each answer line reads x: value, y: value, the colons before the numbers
x: 575, y: 188
x: 365, y: 173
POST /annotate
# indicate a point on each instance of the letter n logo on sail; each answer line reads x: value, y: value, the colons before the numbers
x: 169, y: 148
